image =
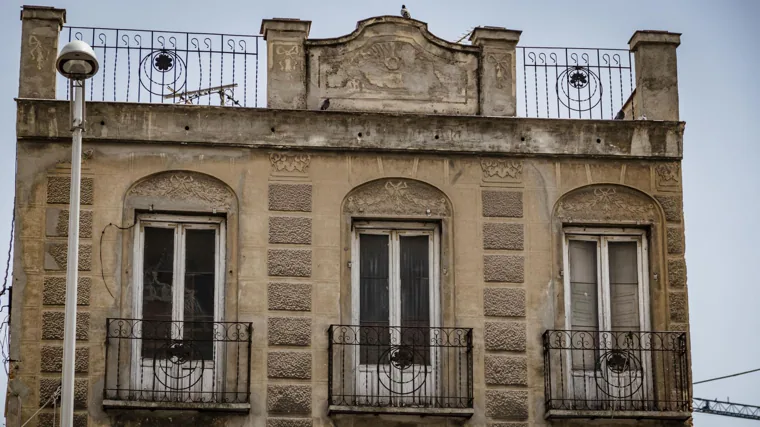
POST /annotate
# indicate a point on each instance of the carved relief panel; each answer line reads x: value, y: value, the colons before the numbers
x: 607, y: 203
x: 397, y: 197
x: 393, y: 64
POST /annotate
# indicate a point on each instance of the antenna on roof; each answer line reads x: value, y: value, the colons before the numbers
x: 225, y: 94
x: 465, y: 35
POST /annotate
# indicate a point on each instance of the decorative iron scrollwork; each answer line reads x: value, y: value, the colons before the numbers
x: 619, y: 373
x: 579, y: 89
x: 162, y: 71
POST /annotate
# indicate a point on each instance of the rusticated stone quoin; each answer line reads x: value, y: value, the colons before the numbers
x: 678, y: 307
x: 289, y: 422
x: 504, y: 302
x: 58, y: 190
x: 289, y: 364
x: 675, y: 241
x: 504, y: 268
x: 289, y: 399
x: 57, y: 223
x: 55, y: 256
x: 286, y: 229
x: 54, y: 291
x: 48, y: 386
x: 508, y: 204
x: 672, y: 206
x: 290, y: 197
x: 507, y: 404
x: 52, y: 325
x: 677, y: 273
x: 51, y: 359
x: 503, y: 236
x: 509, y: 336
x: 289, y: 331
x: 289, y: 262
x: 290, y: 296
x: 506, y: 370
x: 48, y: 420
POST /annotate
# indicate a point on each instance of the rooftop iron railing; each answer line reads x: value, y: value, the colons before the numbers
x: 170, y: 67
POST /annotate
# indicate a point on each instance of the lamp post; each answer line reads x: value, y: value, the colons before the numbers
x: 77, y: 62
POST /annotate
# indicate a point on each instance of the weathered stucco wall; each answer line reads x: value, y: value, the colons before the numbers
x: 287, y: 260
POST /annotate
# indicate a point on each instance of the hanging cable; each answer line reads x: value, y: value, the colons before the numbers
x: 55, y: 396
x: 10, y: 248
x: 102, y: 272
x: 727, y: 376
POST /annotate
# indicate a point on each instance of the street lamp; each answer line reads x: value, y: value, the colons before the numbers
x: 77, y: 62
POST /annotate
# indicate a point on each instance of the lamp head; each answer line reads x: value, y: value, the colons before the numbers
x: 77, y: 61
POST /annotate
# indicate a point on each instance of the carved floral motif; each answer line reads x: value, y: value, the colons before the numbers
x: 501, y: 169
x: 287, y: 57
x: 36, y: 51
x: 295, y: 163
x: 501, y: 65
x: 397, y: 197
x: 667, y: 175
x: 605, y: 203
x: 184, y: 186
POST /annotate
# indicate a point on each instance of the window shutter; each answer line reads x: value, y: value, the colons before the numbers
x: 583, y: 284
x: 624, y: 286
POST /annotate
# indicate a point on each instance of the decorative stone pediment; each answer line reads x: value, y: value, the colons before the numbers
x: 182, y: 189
x: 397, y: 197
x: 607, y: 203
x: 393, y: 64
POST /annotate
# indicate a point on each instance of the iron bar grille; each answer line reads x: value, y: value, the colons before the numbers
x: 616, y: 371
x: 178, y: 362
x: 573, y: 82
x: 400, y: 367
x: 170, y: 67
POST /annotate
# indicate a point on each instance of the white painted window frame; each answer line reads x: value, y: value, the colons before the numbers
x: 179, y: 223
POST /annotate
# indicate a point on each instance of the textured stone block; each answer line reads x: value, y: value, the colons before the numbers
x: 57, y: 223
x: 508, y: 204
x: 294, y: 230
x: 290, y: 197
x: 289, y: 399
x: 290, y: 296
x: 52, y: 325
x: 507, y: 404
x: 507, y: 425
x: 289, y: 422
x: 503, y: 236
x: 289, y: 331
x: 58, y: 190
x: 509, y: 336
x: 675, y: 241
x: 677, y: 273
x: 54, y: 291
x: 289, y: 262
x: 51, y: 359
x: 672, y: 206
x: 504, y: 268
x: 504, y: 302
x: 506, y: 370
x: 289, y: 364
x: 55, y: 256
x: 679, y: 308
x: 48, y: 386
x: 48, y: 420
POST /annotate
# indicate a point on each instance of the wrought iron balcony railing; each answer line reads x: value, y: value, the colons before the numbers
x: 574, y: 83
x: 171, y: 67
x: 381, y: 369
x: 153, y: 363
x: 620, y: 374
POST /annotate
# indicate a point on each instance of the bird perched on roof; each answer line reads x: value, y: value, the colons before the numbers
x: 325, y: 104
x: 620, y: 115
x: 405, y: 13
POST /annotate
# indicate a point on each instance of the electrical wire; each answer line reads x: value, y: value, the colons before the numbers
x: 55, y: 395
x: 102, y: 272
x: 726, y: 376
x: 10, y: 248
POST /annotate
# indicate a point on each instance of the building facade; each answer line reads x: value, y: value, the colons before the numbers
x: 394, y: 240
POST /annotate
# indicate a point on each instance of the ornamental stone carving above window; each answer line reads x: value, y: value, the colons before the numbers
x: 607, y: 203
x: 397, y: 197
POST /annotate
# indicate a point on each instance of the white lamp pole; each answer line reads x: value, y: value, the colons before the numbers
x: 77, y: 62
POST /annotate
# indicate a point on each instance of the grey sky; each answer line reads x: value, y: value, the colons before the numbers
x: 718, y: 63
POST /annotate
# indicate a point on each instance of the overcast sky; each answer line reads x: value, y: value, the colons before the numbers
x: 718, y: 63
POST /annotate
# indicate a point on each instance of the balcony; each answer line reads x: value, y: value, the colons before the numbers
x: 400, y: 370
x: 620, y: 374
x: 152, y: 364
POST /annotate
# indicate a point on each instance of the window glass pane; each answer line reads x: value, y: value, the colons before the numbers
x: 624, y: 286
x: 374, y: 297
x: 583, y: 285
x: 200, y: 265
x: 414, y: 271
x: 158, y: 275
